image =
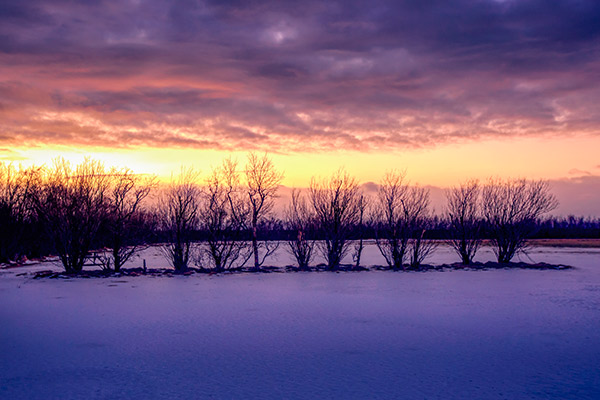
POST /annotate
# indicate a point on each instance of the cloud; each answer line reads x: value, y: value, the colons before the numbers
x: 579, y: 172
x: 577, y: 196
x: 289, y: 76
x: 10, y: 155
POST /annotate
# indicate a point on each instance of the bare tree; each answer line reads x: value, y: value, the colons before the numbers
x: 510, y: 208
x: 418, y: 221
x: 125, y: 222
x: 392, y: 230
x: 223, y: 215
x: 402, y: 217
x: 262, y: 182
x: 300, y: 220
x: 178, y: 210
x: 72, y: 205
x: 363, y: 205
x: 18, y: 187
x: 336, y: 205
x: 463, y: 213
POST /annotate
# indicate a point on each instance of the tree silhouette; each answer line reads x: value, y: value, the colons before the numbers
x: 18, y: 189
x: 336, y: 205
x: 262, y: 182
x: 178, y: 213
x: 125, y: 221
x: 511, y: 208
x: 463, y: 213
x: 402, y: 217
x: 301, y: 221
x: 72, y: 204
x: 223, y: 217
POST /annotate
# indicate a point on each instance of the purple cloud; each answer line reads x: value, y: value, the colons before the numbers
x: 289, y: 76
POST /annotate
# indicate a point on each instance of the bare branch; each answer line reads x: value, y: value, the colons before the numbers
x: 223, y: 216
x: 125, y: 221
x: 72, y: 204
x: 463, y: 213
x: 511, y: 208
x: 402, y: 218
x: 335, y: 204
x: 179, y: 218
x: 262, y: 182
x: 301, y: 221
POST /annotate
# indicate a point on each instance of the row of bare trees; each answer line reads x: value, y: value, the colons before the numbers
x: 230, y: 204
x: 337, y: 210
x: 508, y: 209
x: 331, y: 217
x: 75, y: 208
x: 222, y: 222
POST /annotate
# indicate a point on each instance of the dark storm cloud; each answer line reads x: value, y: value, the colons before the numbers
x: 296, y: 76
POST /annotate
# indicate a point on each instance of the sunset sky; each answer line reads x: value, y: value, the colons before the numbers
x: 447, y: 90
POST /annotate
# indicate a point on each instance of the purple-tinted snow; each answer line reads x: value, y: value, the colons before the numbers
x: 502, y: 334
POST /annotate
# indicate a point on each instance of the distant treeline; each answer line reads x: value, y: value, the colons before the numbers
x: 225, y: 220
x: 550, y: 227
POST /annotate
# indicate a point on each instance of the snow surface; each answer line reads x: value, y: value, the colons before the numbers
x: 498, y: 334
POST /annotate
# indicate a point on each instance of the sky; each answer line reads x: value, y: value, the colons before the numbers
x: 446, y: 90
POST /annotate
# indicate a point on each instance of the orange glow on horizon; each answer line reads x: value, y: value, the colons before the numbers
x: 443, y: 166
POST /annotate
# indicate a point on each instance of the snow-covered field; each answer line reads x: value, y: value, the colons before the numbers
x: 498, y: 334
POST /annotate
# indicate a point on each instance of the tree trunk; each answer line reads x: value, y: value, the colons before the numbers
x: 255, y: 246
